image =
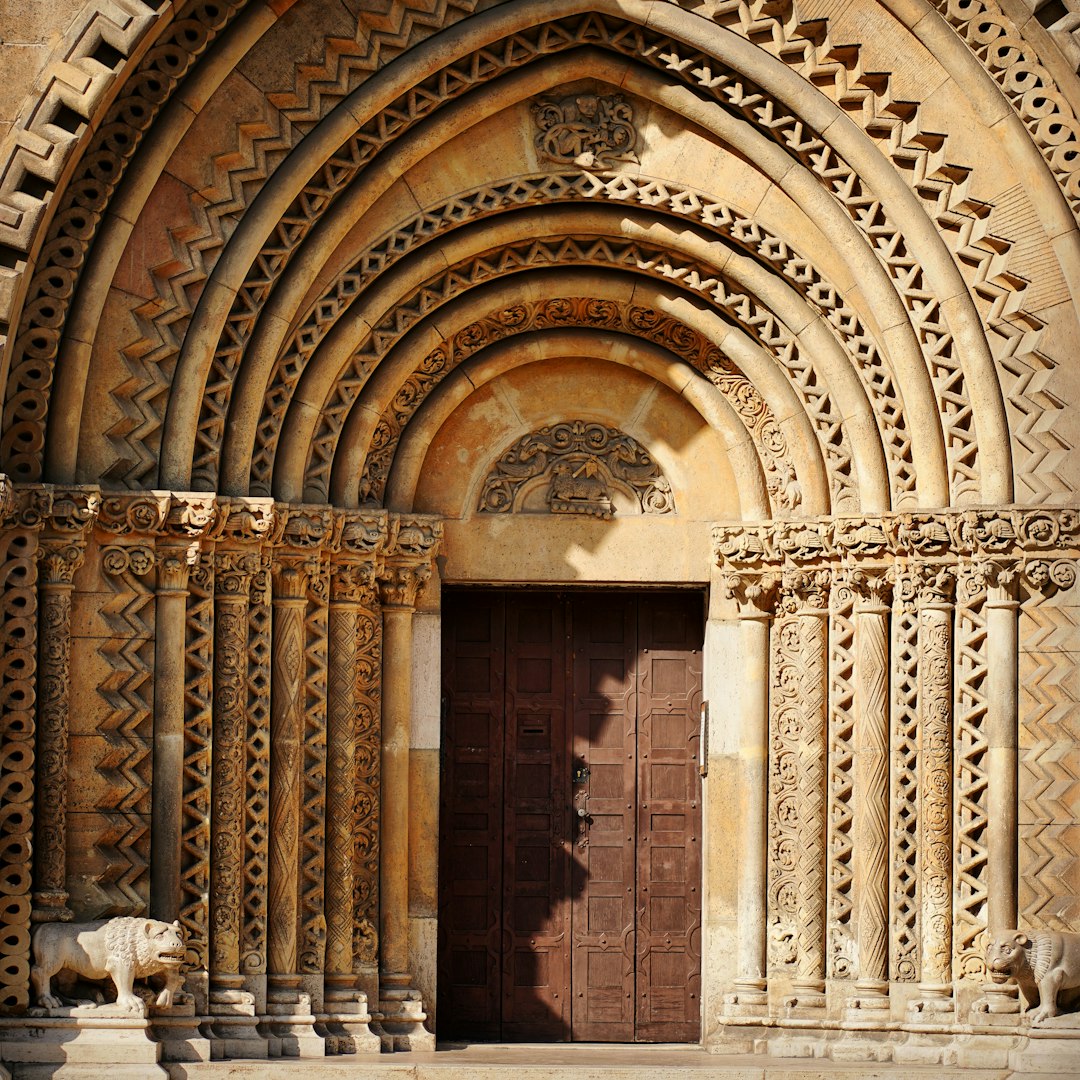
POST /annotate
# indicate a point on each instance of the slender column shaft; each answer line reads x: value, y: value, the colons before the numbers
x: 872, y: 789
x: 286, y: 738
x: 167, y: 794
x: 1003, y: 649
x: 753, y: 835
x: 231, y: 579
x: 340, y: 780
x: 394, y: 876
x: 59, y: 561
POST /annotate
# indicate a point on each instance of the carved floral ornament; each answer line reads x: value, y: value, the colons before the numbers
x: 926, y: 557
x: 584, y: 464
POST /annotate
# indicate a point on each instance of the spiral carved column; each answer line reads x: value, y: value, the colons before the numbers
x: 806, y: 596
x: 871, y: 804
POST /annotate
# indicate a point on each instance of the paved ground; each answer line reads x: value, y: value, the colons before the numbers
x: 583, y: 1062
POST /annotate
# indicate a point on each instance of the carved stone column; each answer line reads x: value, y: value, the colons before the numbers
x: 289, y: 1020
x: 755, y: 595
x: 806, y: 596
x: 871, y: 803
x: 1002, y: 613
x: 935, y: 586
x: 233, y: 1008
x: 352, y: 590
x: 59, y: 558
x: 175, y: 560
x: 406, y: 571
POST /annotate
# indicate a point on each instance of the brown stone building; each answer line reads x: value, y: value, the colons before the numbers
x: 542, y: 519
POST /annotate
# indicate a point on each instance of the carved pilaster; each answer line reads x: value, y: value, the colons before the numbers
x: 804, y: 598
x: 61, y: 551
x: 59, y: 557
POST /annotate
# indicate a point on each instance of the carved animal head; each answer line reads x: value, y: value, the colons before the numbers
x: 159, y: 943
x: 1006, y: 955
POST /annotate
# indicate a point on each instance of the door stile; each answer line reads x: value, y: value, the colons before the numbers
x: 668, y: 984
x: 603, y: 887
x: 471, y: 822
x: 536, y: 874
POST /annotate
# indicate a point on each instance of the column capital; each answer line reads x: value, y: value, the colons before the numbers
x: 59, y: 557
x: 805, y: 592
x: 175, y: 559
x: 755, y: 593
x: 233, y: 570
x: 292, y: 574
x: 354, y: 582
x: 926, y: 585
x: 401, y: 581
x: 871, y: 589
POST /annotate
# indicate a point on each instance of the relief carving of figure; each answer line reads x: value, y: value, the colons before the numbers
x: 586, y: 130
x: 123, y: 950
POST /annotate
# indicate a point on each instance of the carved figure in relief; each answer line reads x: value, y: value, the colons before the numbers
x: 586, y: 129
x: 123, y: 949
x: 579, y: 490
x: 1044, y: 963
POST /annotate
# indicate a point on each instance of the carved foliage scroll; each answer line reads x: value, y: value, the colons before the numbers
x: 18, y: 669
x: 583, y: 463
x: 585, y: 129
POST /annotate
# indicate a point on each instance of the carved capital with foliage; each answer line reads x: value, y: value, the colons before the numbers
x: 233, y: 571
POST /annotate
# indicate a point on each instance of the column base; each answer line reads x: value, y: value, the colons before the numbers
x: 50, y: 906
x: 289, y: 1025
x: 747, y: 998
x: 998, y: 1007
x: 870, y: 1002
x: 346, y: 1024
x: 233, y: 1027
x: 807, y: 1000
x: 177, y: 1029
x: 403, y: 1017
x: 934, y: 1005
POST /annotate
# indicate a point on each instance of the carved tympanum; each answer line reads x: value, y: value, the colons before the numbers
x: 123, y: 949
x: 585, y: 129
x: 586, y: 464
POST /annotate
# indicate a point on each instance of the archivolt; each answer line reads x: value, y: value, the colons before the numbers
x: 933, y: 318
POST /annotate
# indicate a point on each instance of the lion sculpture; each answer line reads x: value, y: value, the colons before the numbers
x: 1044, y: 963
x: 121, y: 949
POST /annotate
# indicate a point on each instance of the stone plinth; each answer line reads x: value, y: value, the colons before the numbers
x: 81, y: 1043
x: 176, y: 1027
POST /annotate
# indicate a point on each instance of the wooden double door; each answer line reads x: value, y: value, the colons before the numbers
x: 570, y: 826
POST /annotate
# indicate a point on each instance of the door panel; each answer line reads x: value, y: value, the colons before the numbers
x: 668, y: 991
x: 536, y: 976
x: 554, y: 925
x: 603, y: 908
x: 471, y: 825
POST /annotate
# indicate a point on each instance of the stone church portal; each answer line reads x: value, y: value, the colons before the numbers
x: 539, y: 520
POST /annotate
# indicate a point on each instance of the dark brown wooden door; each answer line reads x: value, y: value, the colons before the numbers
x: 570, y: 863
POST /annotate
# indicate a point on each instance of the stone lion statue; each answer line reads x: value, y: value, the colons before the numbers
x: 121, y: 949
x: 1044, y: 963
